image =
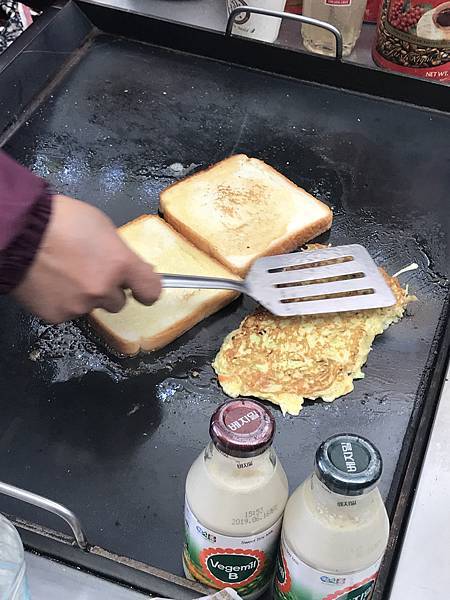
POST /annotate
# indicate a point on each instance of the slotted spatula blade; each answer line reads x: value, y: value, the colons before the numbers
x: 329, y: 280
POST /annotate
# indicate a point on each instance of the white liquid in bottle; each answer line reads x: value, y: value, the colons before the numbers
x: 346, y: 15
x: 335, y: 527
x: 236, y: 492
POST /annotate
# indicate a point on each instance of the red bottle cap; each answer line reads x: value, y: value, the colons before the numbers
x: 242, y: 428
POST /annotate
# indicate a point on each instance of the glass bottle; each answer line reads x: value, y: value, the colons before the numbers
x: 346, y: 15
x: 335, y: 527
x: 236, y: 492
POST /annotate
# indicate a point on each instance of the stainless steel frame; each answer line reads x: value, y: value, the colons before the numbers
x: 49, y: 505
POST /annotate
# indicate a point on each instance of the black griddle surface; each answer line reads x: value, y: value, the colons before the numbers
x: 113, y: 439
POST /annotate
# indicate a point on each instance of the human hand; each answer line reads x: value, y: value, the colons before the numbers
x: 83, y: 264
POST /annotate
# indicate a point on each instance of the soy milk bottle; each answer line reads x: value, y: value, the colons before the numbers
x: 335, y: 527
x: 236, y: 492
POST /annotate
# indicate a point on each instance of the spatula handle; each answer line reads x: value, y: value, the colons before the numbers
x: 200, y: 283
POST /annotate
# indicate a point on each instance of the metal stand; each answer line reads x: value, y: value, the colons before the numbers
x: 49, y: 505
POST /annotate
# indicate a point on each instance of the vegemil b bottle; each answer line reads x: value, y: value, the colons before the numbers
x: 335, y: 527
x: 236, y: 492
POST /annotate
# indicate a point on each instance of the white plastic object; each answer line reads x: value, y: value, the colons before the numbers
x: 13, y: 584
x: 258, y: 27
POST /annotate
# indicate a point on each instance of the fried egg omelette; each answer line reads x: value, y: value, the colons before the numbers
x: 289, y: 359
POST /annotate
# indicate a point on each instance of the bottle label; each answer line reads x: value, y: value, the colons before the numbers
x: 295, y: 580
x: 338, y: 2
x: 245, y: 564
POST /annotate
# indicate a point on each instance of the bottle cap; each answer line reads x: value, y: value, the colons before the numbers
x: 348, y: 464
x: 242, y: 428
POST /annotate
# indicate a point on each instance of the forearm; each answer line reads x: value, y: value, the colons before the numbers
x: 25, y: 206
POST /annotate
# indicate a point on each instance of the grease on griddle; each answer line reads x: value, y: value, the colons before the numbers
x: 72, y: 349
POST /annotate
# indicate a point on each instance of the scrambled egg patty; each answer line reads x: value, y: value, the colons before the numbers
x: 288, y: 359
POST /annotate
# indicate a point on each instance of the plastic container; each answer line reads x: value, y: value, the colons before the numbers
x: 236, y: 492
x: 13, y: 584
x: 335, y: 527
x: 258, y: 27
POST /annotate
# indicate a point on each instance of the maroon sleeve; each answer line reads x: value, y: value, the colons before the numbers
x: 25, y: 207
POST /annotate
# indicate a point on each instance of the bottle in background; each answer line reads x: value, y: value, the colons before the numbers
x: 335, y: 527
x: 13, y: 585
x: 236, y: 492
x: 258, y: 27
x: 346, y: 15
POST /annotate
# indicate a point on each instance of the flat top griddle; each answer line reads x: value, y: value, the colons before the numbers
x: 113, y: 438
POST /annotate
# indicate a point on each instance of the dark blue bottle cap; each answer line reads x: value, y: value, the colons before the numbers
x: 348, y: 464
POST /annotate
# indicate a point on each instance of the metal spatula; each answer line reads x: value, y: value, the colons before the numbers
x: 329, y: 280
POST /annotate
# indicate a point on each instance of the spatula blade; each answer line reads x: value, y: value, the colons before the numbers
x: 328, y: 280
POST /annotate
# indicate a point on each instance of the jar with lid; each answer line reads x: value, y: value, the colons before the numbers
x: 413, y: 38
x: 346, y: 15
x: 335, y: 527
x: 236, y: 492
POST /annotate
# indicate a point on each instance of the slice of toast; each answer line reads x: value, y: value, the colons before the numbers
x: 241, y: 209
x: 137, y: 327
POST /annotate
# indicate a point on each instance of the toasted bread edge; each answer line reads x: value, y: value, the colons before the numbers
x: 206, y: 309
x: 279, y: 246
x: 130, y: 348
